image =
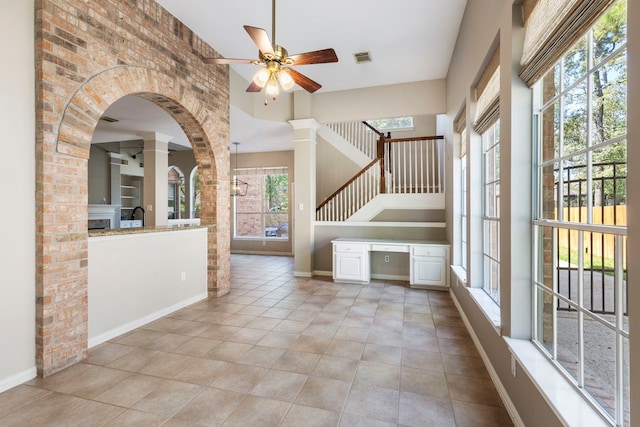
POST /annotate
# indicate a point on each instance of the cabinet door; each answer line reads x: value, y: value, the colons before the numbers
x: 428, y: 271
x: 350, y: 267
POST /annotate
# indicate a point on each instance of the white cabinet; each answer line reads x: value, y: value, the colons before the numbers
x: 429, y: 262
x: 351, y: 263
x: 429, y: 265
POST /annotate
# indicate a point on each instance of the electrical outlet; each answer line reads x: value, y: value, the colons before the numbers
x: 183, y: 276
x: 386, y: 258
x: 513, y: 366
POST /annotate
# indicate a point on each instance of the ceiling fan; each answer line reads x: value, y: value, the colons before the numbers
x: 276, y: 71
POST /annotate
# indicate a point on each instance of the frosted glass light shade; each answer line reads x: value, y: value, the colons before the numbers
x: 285, y: 79
x: 272, y: 88
x: 262, y: 77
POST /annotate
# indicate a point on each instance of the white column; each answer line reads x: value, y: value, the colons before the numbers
x: 156, y: 165
x: 304, y: 195
x: 515, y: 172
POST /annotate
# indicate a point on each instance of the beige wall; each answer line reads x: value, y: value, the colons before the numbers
x: 17, y: 217
x: 406, y: 99
x: 99, y: 176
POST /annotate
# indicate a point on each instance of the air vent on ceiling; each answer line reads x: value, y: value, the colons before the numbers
x: 108, y: 119
x: 362, y: 57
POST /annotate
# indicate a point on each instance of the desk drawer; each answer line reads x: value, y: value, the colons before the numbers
x: 350, y: 248
x: 381, y: 247
x: 433, y: 251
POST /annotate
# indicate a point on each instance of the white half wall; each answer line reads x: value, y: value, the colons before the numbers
x: 17, y: 216
x: 137, y: 278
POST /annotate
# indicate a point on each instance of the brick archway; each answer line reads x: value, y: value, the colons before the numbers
x: 62, y: 270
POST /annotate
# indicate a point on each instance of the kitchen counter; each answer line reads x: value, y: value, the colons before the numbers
x: 142, y: 230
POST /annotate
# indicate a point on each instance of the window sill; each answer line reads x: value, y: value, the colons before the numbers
x: 568, y: 404
x: 260, y: 239
x: 489, y: 308
x: 460, y: 274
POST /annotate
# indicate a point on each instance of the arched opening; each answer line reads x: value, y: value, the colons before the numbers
x: 65, y: 343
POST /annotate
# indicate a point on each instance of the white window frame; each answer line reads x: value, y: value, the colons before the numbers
x: 464, y: 209
x: 491, y: 185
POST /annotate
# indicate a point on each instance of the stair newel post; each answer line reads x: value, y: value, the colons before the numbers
x: 380, y: 153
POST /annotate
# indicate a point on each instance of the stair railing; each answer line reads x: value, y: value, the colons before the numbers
x: 351, y: 196
x: 357, y: 134
x: 414, y: 165
x: 406, y: 165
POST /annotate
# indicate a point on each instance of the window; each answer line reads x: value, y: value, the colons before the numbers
x: 463, y: 212
x: 397, y: 123
x: 264, y: 211
x: 491, y: 211
x: 580, y: 216
x: 176, y: 193
x: 194, y: 193
x: 463, y: 201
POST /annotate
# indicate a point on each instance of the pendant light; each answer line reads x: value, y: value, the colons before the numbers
x: 238, y: 187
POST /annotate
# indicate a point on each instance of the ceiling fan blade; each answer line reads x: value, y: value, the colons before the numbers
x: 316, y: 57
x: 304, y: 82
x: 221, y: 61
x: 254, y: 88
x: 261, y: 39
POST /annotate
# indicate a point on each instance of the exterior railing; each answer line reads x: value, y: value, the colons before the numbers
x: 607, y: 196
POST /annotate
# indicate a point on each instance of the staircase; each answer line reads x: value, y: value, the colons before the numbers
x: 396, y: 173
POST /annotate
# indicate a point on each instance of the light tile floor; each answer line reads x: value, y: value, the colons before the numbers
x: 277, y: 351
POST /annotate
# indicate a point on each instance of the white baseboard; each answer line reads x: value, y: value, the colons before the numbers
x: 390, y: 277
x: 276, y: 253
x: 301, y: 274
x: 322, y: 273
x: 508, y: 404
x: 373, y: 276
x: 17, y: 379
x: 106, y: 336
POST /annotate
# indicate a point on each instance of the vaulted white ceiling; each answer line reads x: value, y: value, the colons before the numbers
x: 409, y: 40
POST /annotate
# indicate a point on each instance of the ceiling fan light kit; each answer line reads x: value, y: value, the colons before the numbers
x: 276, y: 72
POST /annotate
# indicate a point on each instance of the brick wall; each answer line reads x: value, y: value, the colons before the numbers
x: 90, y: 53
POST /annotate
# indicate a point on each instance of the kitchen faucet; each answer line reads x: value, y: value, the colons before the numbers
x: 144, y: 214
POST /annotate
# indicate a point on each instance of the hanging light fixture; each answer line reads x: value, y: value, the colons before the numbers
x: 238, y: 187
x: 275, y: 74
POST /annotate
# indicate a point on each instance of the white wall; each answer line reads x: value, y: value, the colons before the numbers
x: 136, y: 278
x: 17, y: 216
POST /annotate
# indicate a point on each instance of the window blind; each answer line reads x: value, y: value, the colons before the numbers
x: 552, y: 27
x: 488, y: 91
x: 459, y: 125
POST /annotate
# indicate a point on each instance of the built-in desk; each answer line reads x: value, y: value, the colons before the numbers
x: 428, y: 265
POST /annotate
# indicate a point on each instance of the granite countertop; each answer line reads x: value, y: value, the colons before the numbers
x: 141, y: 230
